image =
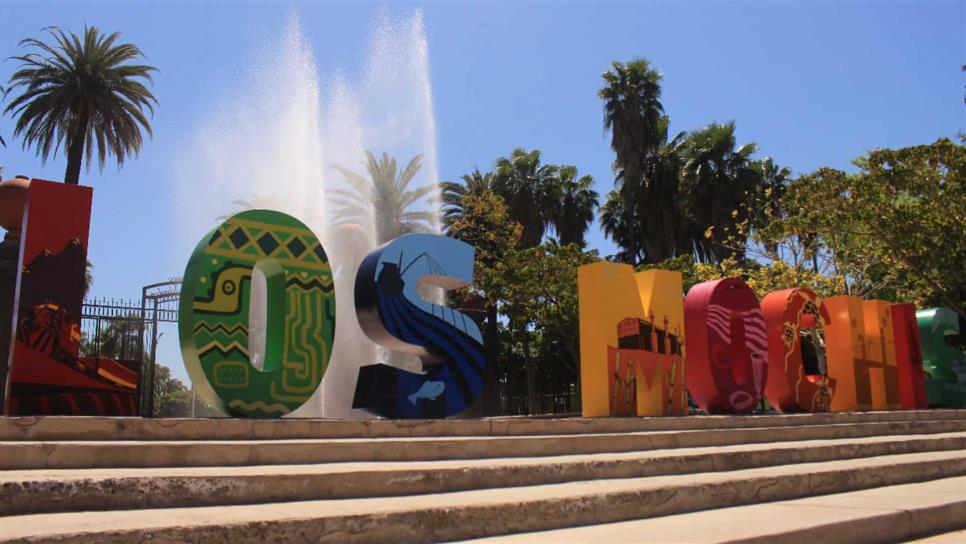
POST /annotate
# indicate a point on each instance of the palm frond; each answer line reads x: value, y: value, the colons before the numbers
x: 409, y: 172
x: 411, y: 197
x: 382, y: 198
x: 78, y: 93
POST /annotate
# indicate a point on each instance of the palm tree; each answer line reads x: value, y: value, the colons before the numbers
x: 632, y: 112
x: 384, y: 196
x: 620, y: 224
x: 79, y: 93
x: 774, y: 180
x: 532, y: 192
x: 664, y: 228
x: 719, y: 184
x: 648, y: 224
x: 576, y: 210
x: 766, y: 206
x: 452, y: 194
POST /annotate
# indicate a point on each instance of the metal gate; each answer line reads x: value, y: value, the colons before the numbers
x: 128, y: 331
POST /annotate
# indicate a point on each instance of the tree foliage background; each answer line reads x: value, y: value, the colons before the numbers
x: 702, y: 204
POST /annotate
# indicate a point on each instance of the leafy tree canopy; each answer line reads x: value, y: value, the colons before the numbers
x: 897, y: 225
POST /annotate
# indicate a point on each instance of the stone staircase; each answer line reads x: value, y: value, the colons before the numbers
x: 858, y: 477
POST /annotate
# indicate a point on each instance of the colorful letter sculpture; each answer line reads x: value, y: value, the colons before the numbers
x: 631, y: 348
x: 880, y: 378
x: 844, y: 344
x: 912, y: 376
x: 797, y: 380
x: 861, y: 354
x: 393, y: 314
x: 727, y: 346
x: 944, y: 365
x: 47, y: 374
x: 213, y: 322
x: 802, y: 353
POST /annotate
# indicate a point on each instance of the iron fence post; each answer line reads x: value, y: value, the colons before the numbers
x: 154, y: 351
x: 146, y: 385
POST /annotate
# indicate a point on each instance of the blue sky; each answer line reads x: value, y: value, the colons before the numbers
x: 813, y: 83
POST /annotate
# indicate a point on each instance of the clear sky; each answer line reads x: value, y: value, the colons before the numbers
x: 813, y: 83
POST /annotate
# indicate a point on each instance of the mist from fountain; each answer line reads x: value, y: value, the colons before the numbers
x: 275, y: 141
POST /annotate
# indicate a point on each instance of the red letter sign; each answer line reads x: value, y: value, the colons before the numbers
x: 727, y: 347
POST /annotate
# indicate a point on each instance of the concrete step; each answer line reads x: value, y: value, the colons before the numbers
x: 952, y: 537
x: 131, y: 453
x: 884, y: 514
x: 36, y: 491
x: 110, y: 428
x: 478, y: 513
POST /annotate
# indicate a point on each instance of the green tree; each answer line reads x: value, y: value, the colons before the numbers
x: 633, y: 113
x: 116, y: 339
x: 665, y: 226
x: 576, y: 208
x: 540, y: 303
x: 532, y: 192
x: 533, y: 288
x: 483, y: 222
x: 763, y: 278
x: 171, y: 397
x: 619, y: 223
x: 79, y: 93
x: 718, y: 185
x: 453, y: 193
x: 673, y: 196
x: 766, y: 201
x: 385, y: 196
x: 894, y: 229
x: 651, y: 222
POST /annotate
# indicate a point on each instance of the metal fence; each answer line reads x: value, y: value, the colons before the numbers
x: 111, y: 329
x: 561, y: 402
x: 556, y: 391
x: 127, y: 330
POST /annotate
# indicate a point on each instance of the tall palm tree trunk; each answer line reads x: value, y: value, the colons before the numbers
x: 630, y: 198
x: 635, y: 245
x: 75, y: 150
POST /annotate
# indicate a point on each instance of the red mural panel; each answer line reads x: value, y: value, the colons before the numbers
x: 797, y: 377
x: 727, y: 348
x: 47, y: 374
x: 912, y: 376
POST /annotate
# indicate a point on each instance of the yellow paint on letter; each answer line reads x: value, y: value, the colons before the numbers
x: 608, y: 293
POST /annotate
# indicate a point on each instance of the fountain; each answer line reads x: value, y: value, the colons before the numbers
x: 274, y: 145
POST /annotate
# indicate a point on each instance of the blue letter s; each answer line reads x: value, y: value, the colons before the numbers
x: 393, y: 314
